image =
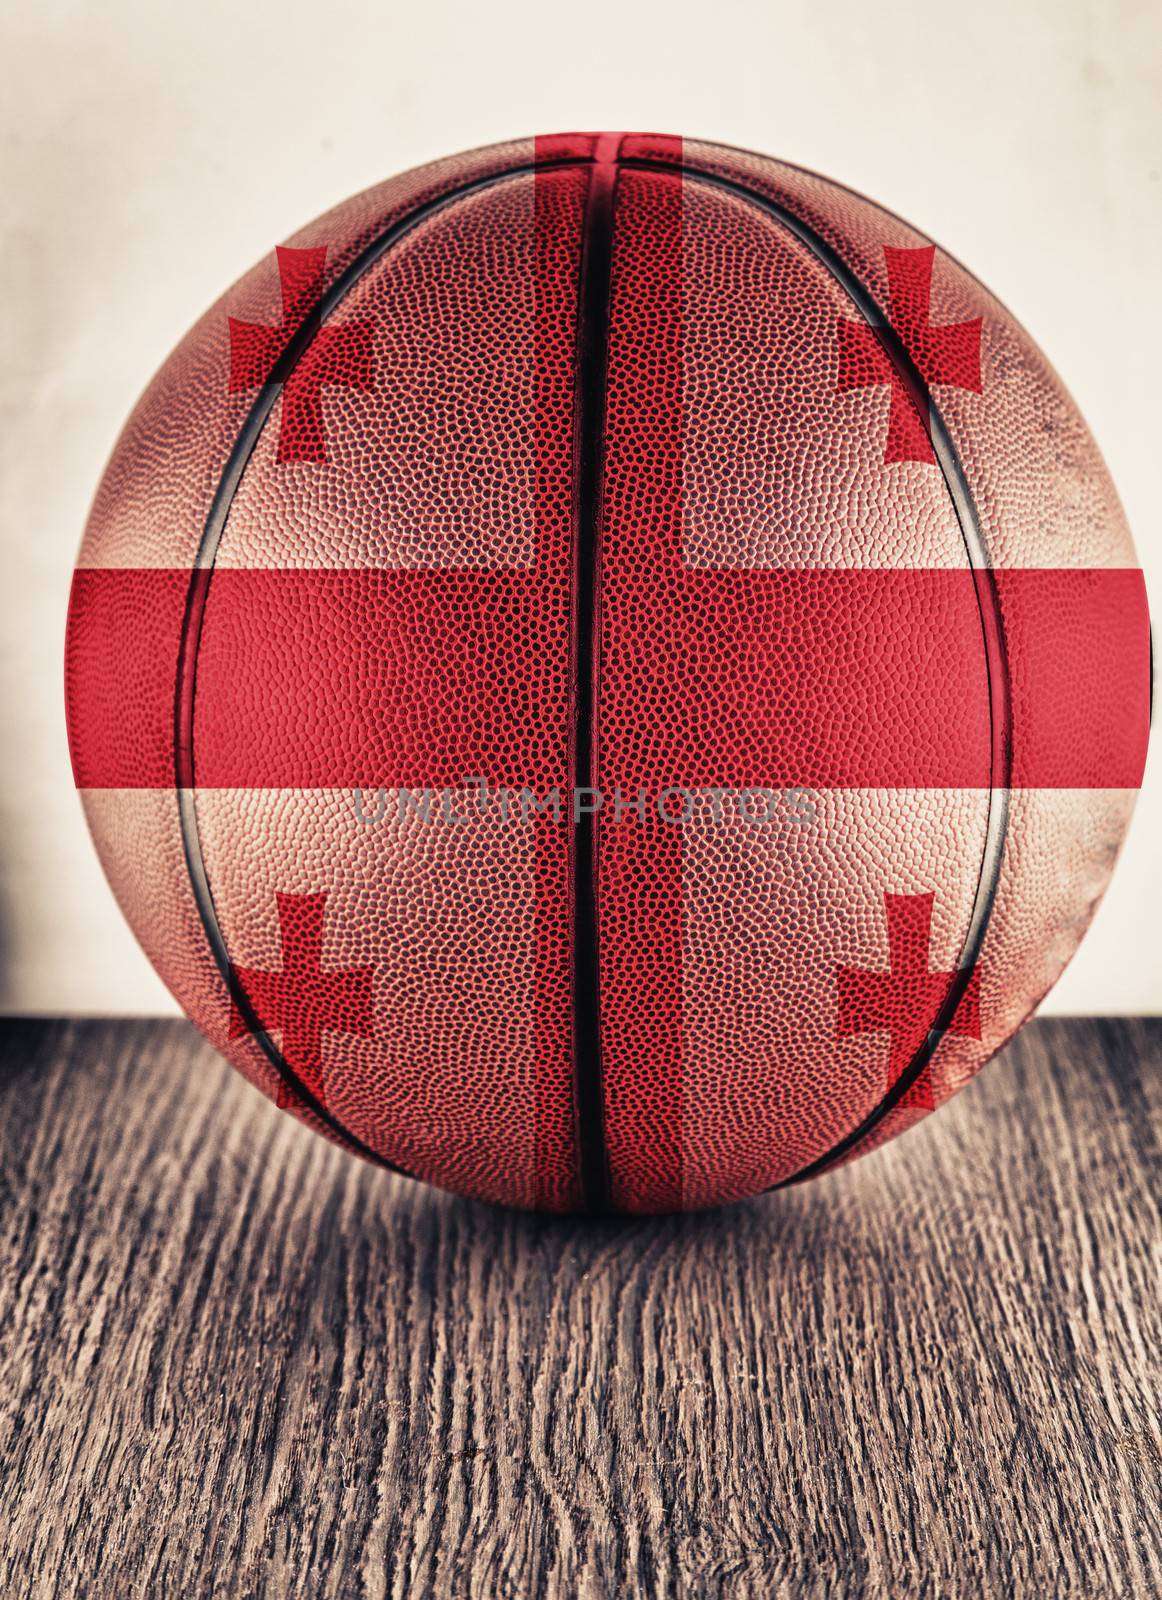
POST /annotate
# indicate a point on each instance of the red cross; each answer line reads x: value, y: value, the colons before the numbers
x: 302, y: 999
x: 946, y: 352
x: 905, y: 1000
x: 337, y: 354
x: 438, y: 674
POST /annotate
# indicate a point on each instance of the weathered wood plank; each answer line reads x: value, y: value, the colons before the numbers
x: 234, y: 1361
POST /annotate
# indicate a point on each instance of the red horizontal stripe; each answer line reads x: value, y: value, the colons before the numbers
x: 827, y: 678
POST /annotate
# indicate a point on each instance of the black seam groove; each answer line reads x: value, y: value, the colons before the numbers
x: 185, y: 683
x: 992, y: 628
x: 589, y: 463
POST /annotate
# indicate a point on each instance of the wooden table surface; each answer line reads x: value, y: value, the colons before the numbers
x: 234, y: 1361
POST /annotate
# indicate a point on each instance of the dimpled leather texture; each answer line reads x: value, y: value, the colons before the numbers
x: 651, y: 469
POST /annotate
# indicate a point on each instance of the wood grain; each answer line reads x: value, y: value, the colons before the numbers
x: 234, y: 1361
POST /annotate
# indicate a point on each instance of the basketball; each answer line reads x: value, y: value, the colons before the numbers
x: 608, y: 673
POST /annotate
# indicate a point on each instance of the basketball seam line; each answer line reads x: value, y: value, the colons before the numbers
x: 592, y: 360
x: 185, y: 682
x: 992, y: 628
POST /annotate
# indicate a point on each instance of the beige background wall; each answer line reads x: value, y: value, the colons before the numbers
x: 152, y: 152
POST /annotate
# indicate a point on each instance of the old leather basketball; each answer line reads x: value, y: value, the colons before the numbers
x: 608, y: 673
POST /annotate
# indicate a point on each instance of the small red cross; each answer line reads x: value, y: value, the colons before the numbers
x: 340, y: 353
x: 905, y: 1000
x: 946, y: 352
x: 302, y: 999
